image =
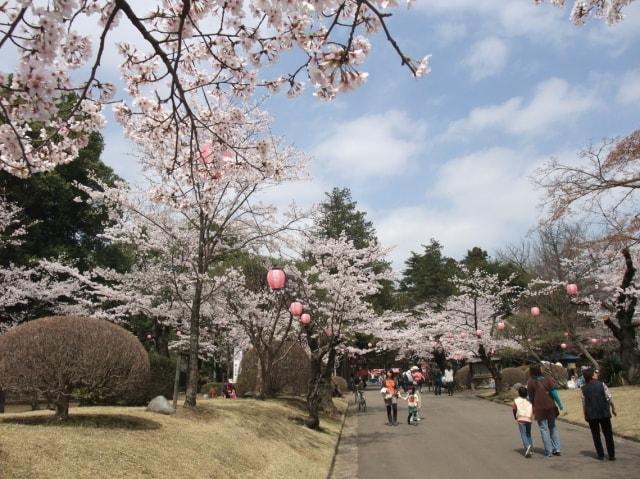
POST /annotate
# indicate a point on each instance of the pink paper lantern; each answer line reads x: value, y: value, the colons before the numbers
x: 205, y: 153
x: 572, y: 289
x: 228, y: 155
x: 276, y: 279
x: 566, y: 334
x: 370, y: 345
x: 478, y: 332
x: 149, y: 337
x: 295, y: 309
x: 328, y: 332
x: 305, y: 319
x: 501, y: 325
x: 563, y: 345
x: 535, y: 311
x: 594, y: 340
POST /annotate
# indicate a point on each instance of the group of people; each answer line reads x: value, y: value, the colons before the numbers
x: 443, y: 379
x: 391, y: 394
x: 429, y: 377
x: 540, y: 401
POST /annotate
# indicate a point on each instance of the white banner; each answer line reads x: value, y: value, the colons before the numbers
x: 237, y: 359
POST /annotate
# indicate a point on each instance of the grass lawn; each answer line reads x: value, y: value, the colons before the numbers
x: 220, y: 439
x: 627, y: 400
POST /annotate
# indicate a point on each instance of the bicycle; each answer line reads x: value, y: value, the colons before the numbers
x: 361, y: 401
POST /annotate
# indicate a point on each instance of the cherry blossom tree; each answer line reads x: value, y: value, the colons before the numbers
x: 28, y: 291
x: 262, y: 316
x: 467, y: 325
x: 610, y: 10
x: 563, y: 318
x: 334, y: 291
x: 179, y: 56
x: 179, y: 53
x: 610, y: 299
x: 602, y: 192
x: 196, y: 214
x: 602, y: 188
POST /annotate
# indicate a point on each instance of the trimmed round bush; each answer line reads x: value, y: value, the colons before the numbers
x: 63, y: 356
x: 289, y: 376
x: 511, y: 376
x: 461, y: 377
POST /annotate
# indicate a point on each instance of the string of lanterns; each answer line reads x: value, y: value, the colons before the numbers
x: 572, y: 290
x: 277, y: 279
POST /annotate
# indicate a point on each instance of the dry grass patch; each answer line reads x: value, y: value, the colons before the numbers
x: 221, y: 438
x: 627, y: 398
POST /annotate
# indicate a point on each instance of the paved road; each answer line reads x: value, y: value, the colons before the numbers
x: 465, y: 437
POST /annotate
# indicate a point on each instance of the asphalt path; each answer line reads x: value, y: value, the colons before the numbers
x: 467, y: 437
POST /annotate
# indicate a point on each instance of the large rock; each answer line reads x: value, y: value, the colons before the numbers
x: 160, y: 405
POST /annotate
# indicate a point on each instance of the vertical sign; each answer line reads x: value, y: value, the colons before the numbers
x: 237, y: 359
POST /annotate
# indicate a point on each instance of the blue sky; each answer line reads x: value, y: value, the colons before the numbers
x: 449, y: 156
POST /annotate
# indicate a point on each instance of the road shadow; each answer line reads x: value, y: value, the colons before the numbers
x: 373, y: 437
x: 591, y: 454
x: 97, y: 421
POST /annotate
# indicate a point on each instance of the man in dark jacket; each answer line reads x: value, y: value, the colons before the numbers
x: 597, y: 404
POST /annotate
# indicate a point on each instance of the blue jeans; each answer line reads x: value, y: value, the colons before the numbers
x: 525, y: 434
x: 550, y: 436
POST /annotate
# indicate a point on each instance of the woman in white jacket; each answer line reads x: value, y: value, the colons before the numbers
x: 449, y: 380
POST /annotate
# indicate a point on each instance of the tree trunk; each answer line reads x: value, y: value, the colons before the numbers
x: 35, y: 405
x: 176, y: 382
x: 313, y: 392
x: 262, y: 389
x: 161, y: 333
x: 630, y: 359
x: 326, y: 387
x: 496, y: 374
x: 440, y: 358
x: 2, y: 400
x: 625, y: 330
x: 62, y: 407
x: 193, y: 374
x: 587, y: 354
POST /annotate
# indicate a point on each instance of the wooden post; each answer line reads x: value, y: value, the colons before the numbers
x: 176, y: 383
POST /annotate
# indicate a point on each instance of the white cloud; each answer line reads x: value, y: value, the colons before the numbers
x: 540, y: 23
x: 448, y: 33
x: 484, y: 199
x: 554, y: 101
x: 487, y: 58
x: 629, y: 90
x: 617, y: 38
x: 371, y: 145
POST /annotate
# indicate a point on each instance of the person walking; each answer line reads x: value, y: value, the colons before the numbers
x: 597, y: 404
x: 413, y: 402
x: 448, y: 380
x: 390, y: 394
x: 437, y: 382
x: 543, y: 394
x: 523, y: 414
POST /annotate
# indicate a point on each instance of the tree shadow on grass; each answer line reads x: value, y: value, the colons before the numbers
x: 97, y: 421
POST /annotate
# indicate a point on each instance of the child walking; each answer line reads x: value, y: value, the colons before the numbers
x: 412, y: 405
x: 523, y: 414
